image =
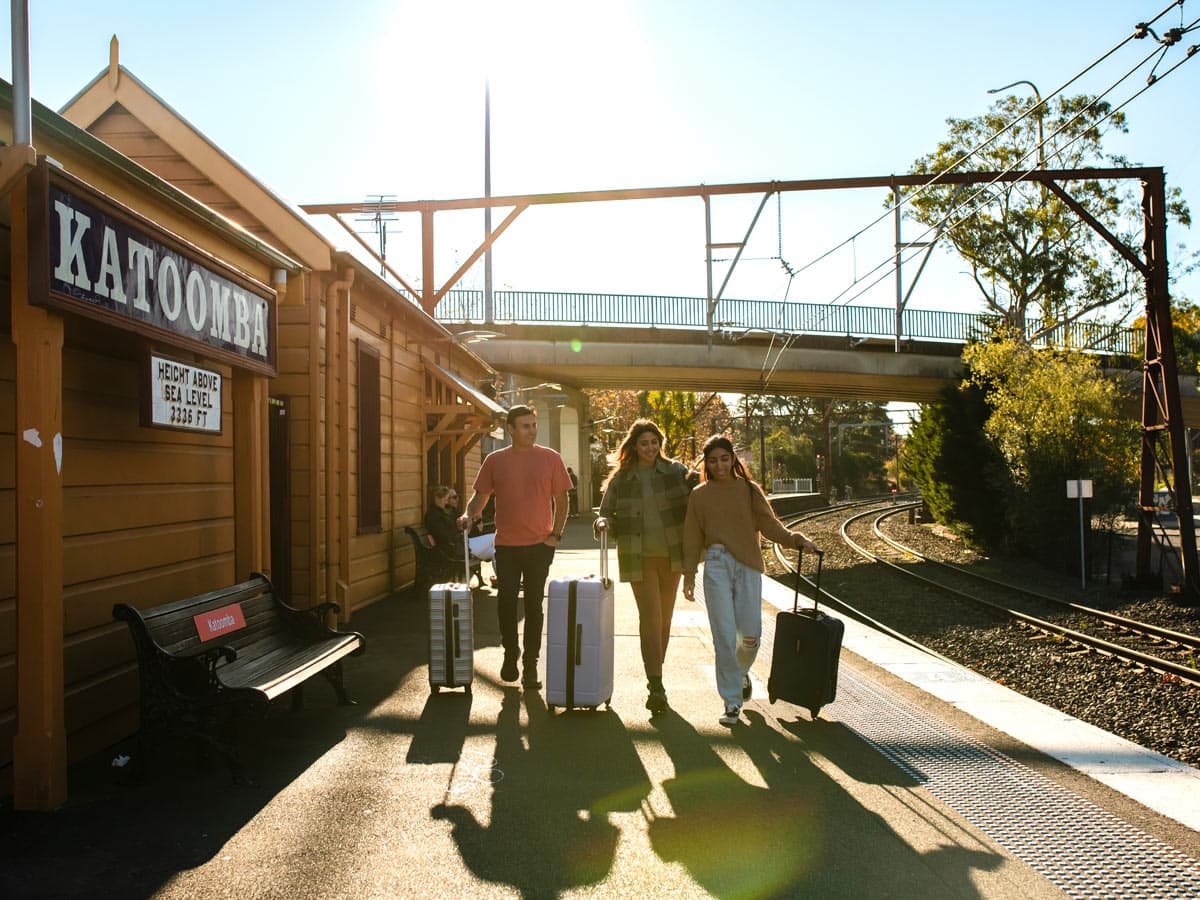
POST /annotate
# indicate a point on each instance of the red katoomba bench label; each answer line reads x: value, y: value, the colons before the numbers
x: 219, y: 621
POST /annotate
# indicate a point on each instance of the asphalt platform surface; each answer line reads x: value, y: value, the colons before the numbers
x: 489, y: 794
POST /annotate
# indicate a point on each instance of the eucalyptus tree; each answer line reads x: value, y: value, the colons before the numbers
x: 1035, y: 263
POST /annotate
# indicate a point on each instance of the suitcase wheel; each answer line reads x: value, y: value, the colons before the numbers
x: 551, y: 707
x: 815, y: 710
x: 435, y: 689
x: 771, y: 697
x: 467, y: 690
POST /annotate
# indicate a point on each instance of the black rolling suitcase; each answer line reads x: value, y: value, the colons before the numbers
x: 808, y: 643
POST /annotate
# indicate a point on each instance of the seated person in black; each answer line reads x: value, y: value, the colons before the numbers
x: 440, y: 522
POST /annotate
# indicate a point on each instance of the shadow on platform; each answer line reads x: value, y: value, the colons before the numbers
x: 554, y: 789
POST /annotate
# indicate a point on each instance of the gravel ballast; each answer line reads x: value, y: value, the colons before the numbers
x: 1141, y: 706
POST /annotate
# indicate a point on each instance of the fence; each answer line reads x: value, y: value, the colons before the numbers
x: 791, y: 485
x: 650, y: 311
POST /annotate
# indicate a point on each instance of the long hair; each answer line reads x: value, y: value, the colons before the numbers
x: 627, y: 452
x: 720, y: 442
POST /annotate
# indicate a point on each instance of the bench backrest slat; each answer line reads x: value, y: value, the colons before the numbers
x: 173, y: 628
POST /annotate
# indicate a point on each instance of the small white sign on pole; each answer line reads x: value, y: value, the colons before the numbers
x: 1079, y: 489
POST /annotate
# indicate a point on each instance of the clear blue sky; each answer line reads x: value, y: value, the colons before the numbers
x: 337, y: 102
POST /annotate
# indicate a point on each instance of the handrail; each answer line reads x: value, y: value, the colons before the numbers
x: 769, y: 316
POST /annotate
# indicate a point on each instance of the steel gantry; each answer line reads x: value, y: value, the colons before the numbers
x: 1164, y: 445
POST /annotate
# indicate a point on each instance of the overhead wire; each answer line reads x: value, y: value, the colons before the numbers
x: 974, y: 151
x: 1139, y: 32
x: 942, y: 224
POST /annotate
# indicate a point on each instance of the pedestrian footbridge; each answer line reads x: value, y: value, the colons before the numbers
x: 662, y: 342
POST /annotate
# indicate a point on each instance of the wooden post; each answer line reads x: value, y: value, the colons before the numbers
x: 428, y: 282
x: 40, y: 746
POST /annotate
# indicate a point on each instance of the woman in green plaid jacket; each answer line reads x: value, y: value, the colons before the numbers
x: 644, y: 506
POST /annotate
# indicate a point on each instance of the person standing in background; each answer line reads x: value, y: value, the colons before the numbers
x: 574, y: 498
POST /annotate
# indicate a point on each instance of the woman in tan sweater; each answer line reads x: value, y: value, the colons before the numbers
x: 725, y: 516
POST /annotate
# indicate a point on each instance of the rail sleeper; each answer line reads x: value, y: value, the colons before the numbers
x: 258, y: 648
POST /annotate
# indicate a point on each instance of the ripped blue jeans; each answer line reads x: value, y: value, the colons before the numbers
x: 733, y: 598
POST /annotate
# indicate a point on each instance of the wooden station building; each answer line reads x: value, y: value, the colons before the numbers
x: 197, y: 386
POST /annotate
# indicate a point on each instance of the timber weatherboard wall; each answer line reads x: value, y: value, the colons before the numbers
x: 148, y: 515
x: 370, y: 566
x: 125, y: 113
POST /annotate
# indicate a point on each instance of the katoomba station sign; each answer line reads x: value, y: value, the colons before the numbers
x: 102, y: 260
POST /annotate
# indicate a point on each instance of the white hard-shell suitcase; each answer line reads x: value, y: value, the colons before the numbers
x: 579, y: 639
x: 452, y: 631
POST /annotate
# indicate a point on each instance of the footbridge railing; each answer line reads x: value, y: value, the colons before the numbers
x: 866, y: 322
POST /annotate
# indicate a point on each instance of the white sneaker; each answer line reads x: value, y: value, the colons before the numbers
x: 731, y: 715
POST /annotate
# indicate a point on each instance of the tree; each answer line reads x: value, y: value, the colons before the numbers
x: 993, y: 458
x: 963, y: 478
x: 1185, y: 326
x: 683, y: 416
x: 1054, y: 416
x: 1036, y: 264
x: 793, y: 433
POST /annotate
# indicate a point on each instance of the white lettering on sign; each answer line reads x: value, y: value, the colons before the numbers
x: 219, y: 621
x: 184, y: 396
x: 115, y: 266
x: 71, y: 228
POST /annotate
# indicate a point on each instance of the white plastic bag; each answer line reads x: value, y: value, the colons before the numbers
x: 483, y: 546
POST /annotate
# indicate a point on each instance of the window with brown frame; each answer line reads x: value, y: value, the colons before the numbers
x: 370, y: 487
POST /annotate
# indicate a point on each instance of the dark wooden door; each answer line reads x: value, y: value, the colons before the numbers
x: 281, y: 497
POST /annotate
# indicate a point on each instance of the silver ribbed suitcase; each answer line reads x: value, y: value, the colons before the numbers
x: 579, y: 639
x: 452, y: 632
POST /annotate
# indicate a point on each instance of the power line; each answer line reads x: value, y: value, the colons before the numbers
x: 944, y: 224
x: 889, y: 261
x: 1138, y: 32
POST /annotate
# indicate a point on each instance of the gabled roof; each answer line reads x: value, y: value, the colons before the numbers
x: 45, y: 120
x: 118, y: 96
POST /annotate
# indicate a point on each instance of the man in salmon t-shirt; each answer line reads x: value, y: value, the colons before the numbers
x: 531, y: 485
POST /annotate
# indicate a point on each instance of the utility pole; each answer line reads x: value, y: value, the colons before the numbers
x: 489, y: 312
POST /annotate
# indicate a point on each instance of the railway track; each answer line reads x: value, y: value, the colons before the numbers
x: 1169, y: 653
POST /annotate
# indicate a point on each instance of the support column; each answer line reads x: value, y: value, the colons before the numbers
x: 1162, y: 411
x: 345, y: 533
x: 428, y: 279
x: 40, y: 746
x: 554, y: 432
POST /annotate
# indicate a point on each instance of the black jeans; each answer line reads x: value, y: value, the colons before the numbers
x: 531, y: 565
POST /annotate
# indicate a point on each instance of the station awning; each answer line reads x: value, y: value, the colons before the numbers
x: 455, y: 408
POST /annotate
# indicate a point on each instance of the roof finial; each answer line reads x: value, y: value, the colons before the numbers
x: 114, y: 62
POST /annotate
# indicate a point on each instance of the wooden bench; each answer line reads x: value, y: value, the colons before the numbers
x: 435, y: 563
x: 206, y: 660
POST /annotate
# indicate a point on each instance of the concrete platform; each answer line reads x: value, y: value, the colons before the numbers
x: 489, y: 794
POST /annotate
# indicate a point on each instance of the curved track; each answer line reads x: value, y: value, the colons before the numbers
x: 976, y: 589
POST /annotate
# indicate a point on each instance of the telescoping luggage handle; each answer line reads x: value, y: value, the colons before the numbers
x: 466, y: 558
x: 604, y: 556
x: 817, y: 591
